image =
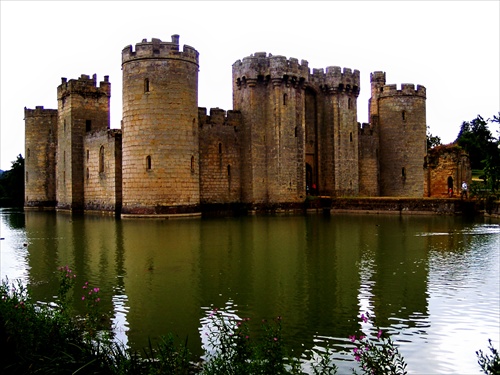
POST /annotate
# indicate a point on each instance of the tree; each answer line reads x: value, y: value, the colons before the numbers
x: 12, y: 184
x: 475, y: 138
x: 432, y: 140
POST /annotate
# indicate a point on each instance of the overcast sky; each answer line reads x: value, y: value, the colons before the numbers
x: 450, y: 47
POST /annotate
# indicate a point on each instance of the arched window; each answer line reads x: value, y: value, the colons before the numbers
x: 148, y: 162
x: 101, y: 159
x: 146, y: 85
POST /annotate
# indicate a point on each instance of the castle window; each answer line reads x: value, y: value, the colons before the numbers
x: 220, y: 148
x: 64, y: 158
x: 28, y: 152
x: 403, y: 172
x: 101, y: 159
x: 26, y: 176
x: 350, y: 136
x: 228, y: 170
x: 192, y: 164
x: 296, y: 131
x: 349, y: 103
x: 88, y: 174
x: 88, y: 155
x: 65, y: 126
x: 285, y: 98
x: 148, y: 162
x: 403, y: 115
x: 146, y: 85
x: 88, y: 125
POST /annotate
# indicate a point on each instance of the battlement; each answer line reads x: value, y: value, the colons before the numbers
x: 377, y: 77
x: 39, y: 111
x: 336, y: 79
x: 407, y: 89
x: 84, y: 85
x: 366, y: 128
x: 218, y: 117
x: 270, y: 67
x: 156, y: 49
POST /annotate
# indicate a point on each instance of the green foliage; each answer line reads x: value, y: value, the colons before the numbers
x: 378, y: 357
x: 41, y: 338
x: 432, y: 140
x: 12, y: 185
x: 490, y: 364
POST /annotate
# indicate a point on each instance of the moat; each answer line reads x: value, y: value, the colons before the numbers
x: 432, y: 281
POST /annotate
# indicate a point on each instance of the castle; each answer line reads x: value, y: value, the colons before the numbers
x: 292, y: 132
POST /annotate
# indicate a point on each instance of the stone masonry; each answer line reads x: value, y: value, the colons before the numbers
x: 292, y: 132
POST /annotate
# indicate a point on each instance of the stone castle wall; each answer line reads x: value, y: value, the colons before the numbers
x: 160, y: 128
x: 220, y: 167
x: 292, y: 132
x: 40, y: 156
x: 102, y: 165
x: 369, y: 171
x: 402, y: 130
x: 82, y: 107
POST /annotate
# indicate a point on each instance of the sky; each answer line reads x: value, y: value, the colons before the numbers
x: 450, y: 47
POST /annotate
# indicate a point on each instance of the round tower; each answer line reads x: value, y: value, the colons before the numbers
x: 160, y: 129
x: 402, y: 130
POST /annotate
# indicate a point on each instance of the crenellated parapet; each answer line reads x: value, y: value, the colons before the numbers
x: 277, y: 69
x: 218, y: 117
x: 39, y: 111
x: 407, y: 89
x: 367, y: 129
x: 85, y: 86
x: 336, y: 79
x: 156, y: 49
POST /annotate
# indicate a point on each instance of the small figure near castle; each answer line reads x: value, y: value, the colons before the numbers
x: 464, y: 189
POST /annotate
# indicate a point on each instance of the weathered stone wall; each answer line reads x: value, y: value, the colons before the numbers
x: 40, y: 157
x: 219, y: 156
x: 160, y: 128
x: 447, y: 166
x: 102, y: 165
x: 368, y: 160
x: 269, y: 93
x: 337, y: 150
x: 82, y: 107
x: 402, y: 136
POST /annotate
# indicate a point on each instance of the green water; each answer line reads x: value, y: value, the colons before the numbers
x: 432, y: 281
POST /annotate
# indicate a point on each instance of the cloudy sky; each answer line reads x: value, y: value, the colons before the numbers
x: 450, y: 47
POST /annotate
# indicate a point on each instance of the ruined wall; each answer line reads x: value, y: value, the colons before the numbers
x: 269, y: 92
x: 103, y: 171
x: 402, y: 135
x: 220, y: 157
x: 82, y: 107
x: 446, y: 166
x: 40, y: 157
x: 368, y: 160
x: 160, y: 128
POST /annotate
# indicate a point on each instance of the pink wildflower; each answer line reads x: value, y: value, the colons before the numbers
x: 364, y: 318
x: 352, y: 338
x: 379, y: 334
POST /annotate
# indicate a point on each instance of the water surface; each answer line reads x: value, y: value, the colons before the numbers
x: 432, y: 281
